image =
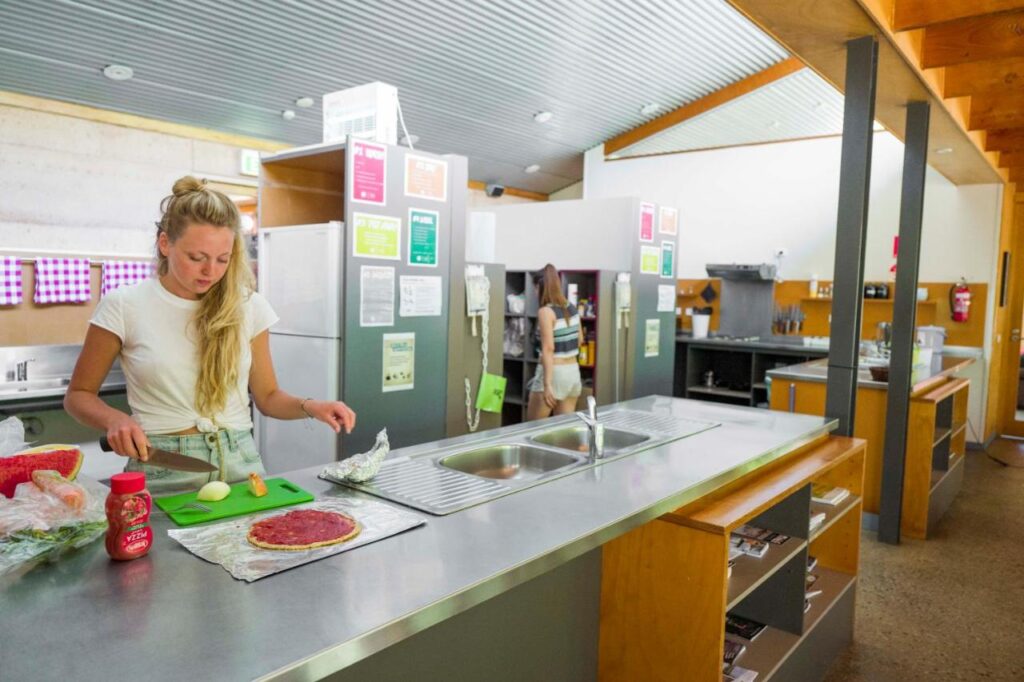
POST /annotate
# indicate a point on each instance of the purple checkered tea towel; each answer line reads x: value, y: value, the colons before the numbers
x: 10, y: 280
x: 118, y: 273
x: 62, y: 280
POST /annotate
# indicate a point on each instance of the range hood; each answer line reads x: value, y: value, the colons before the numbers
x: 760, y: 272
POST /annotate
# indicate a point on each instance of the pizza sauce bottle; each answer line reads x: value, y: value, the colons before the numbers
x: 128, y: 506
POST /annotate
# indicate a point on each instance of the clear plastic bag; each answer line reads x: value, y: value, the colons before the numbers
x: 36, y: 526
x: 226, y: 544
x: 12, y: 436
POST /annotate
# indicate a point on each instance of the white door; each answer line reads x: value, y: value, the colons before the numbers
x: 300, y: 275
x: 307, y: 367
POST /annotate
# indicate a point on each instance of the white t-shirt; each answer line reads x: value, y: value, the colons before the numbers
x: 160, y: 356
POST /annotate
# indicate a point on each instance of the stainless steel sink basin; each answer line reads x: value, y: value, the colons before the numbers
x: 509, y: 461
x: 577, y: 438
x: 41, y: 384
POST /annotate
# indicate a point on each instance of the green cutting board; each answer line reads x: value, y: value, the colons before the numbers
x: 280, y: 493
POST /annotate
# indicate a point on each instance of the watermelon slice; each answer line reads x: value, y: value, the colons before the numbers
x: 18, y: 468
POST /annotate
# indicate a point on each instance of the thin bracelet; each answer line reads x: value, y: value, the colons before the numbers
x: 302, y: 406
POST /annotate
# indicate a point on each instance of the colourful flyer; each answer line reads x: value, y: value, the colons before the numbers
x: 423, y: 237
x: 649, y: 260
x: 399, y: 364
x: 652, y: 338
x: 668, y: 260
x: 369, y: 172
x: 646, y: 222
x: 668, y: 220
x: 426, y: 178
x: 376, y: 236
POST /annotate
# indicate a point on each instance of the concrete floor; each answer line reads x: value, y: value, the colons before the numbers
x: 952, y: 607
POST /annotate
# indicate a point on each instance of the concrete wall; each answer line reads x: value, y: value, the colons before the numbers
x: 82, y: 186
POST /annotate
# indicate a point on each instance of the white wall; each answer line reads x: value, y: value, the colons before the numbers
x: 740, y: 204
x: 81, y: 186
x: 572, y: 234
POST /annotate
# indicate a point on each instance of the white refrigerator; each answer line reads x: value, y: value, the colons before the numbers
x: 301, y: 275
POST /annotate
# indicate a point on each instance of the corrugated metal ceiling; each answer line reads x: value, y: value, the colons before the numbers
x: 470, y: 74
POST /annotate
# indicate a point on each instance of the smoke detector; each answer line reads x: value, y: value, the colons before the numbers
x: 409, y: 140
x: 532, y: 168
x: 118, y: 72
x: 649, y: 109
x: 543, y: 116
x: 304, y: 102
x: 287, y: 114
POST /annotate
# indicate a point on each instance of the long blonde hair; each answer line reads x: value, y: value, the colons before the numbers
x: 219, y: 318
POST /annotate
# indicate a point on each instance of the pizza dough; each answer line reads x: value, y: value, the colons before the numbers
x: 303, y: 529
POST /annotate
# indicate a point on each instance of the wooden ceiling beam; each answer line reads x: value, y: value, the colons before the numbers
x: 984, y: 78
x: 1005, y: 140
x: 993, y: 112
x: 704, y: 104
x: 1017, y: 175
x: 909, y: 14
x: 1012, y: 159
x: 995, y: 36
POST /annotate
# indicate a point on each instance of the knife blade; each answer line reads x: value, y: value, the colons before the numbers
x: 168, y: 459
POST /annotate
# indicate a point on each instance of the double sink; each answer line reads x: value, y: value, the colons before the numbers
x: 529, y: 461
x: 444, y: 480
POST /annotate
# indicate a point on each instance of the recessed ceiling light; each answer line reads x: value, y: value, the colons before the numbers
x: 409, y: 139
x: 650, y: 108
x: 543, y: 116
x: 944, y: 150
x: 287, y: 114
x: 118, y: 72
x: 532, y: 168
x: 304, y: 102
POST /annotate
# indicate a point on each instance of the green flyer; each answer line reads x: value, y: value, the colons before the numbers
x: 376, y: 236
x: 423, y: 237
x: 668, y: 263
x: 649, y: 259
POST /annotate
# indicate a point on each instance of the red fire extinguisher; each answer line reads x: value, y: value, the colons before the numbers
x: 960, y: 301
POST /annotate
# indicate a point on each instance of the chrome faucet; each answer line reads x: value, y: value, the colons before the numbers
x: 594, y: 428
x: 21, y: 372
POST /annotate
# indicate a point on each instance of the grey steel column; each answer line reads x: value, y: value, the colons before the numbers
x: 915, y: 157
x: 851, y: 231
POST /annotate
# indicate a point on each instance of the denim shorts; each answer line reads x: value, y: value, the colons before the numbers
x: 232, y: 452
x: 565, y: 381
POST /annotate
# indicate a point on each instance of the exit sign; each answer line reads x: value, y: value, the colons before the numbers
x: 250, y: 162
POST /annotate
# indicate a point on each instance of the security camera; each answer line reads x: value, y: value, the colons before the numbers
x: 493, y: 190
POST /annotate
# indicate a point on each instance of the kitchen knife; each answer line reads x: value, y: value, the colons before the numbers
x: 168, y: 459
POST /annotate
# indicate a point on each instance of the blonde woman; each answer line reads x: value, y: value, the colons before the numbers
x: 193, y: 342
x: 556, y: 383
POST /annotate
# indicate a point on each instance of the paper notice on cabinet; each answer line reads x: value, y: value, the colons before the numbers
x: 652, y: 338
x: 419, y: 296
x: 369, y: 172
x: 399, y: 366
x: 426, y: 178
x: 646, y: 222
x: 376, y: 236
x: 376, y: 296
x: 668, y: 220
x: 668, y: 260
x: 666, y: 298
x: 423, y: 237
x: 650, y: 260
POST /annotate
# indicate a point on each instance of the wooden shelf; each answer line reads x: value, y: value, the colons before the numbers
x: 723, y: 392
x: 939, y: 474
x: 770, y: 649
x: 517, y: 358
x: 749, y: 572
x: 513, y: 400
x: 876, y: 301
x: 941, y: 433
x: 832, y: 513
x: 760, y: 386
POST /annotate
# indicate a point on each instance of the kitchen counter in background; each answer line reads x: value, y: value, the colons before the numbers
x: 173, y: 616
x: 923, y: 376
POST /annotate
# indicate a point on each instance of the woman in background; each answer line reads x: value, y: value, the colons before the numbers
x: 194, y: 343
x: 556, y: 384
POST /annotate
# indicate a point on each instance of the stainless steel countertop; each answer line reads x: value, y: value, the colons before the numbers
x: 170, y: 615
x: 817, y: 371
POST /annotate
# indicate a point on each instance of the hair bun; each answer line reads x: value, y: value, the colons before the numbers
x: 187, y: 185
